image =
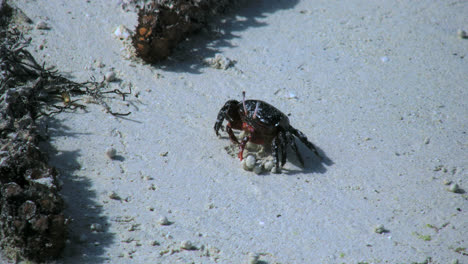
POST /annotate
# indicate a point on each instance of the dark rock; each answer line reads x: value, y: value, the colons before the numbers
x: 32, y: 224
x: 12, y: 190
x: 164, y: 24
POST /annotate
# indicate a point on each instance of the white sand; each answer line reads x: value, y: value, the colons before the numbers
x: 381, y: 90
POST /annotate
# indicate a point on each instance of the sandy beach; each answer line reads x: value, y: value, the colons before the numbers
x: 380, y: 87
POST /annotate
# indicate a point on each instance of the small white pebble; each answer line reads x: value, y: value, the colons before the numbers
x: 380, y: 229
x: 462, y: 33
x: 454, y: 188
x: 111, y: 153
x: 147, y: 178
x: 220, y: 62
x: 258, y: 169
x: 42, y: 25
x: 96, y: 227
x: 427, y: 140
x: 121, y: 32
x: 110, y: 76
x: 187, y: 245
x: 163, y: 221
x: 275, y: 170
x: 291, y: 95
x: 384, y: 59
x: 249, y: 163
x: 114, y: 196
x: 268, y: 165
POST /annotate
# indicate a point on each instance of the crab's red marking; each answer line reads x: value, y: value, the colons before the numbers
x: 251, y: 137
x: 247, y: 128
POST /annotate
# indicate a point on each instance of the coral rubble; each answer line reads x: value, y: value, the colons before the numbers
x: 163, y: 24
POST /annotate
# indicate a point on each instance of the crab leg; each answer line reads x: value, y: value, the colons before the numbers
x: 231, y: 133
x: 242, y: 147
x: 304, y: 140
x: 292, y: 143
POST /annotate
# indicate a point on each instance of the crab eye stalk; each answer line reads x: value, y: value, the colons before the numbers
x: 243, y: 102
x: 256, y: 109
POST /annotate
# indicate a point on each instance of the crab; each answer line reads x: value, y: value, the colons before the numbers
x: 263, y: 124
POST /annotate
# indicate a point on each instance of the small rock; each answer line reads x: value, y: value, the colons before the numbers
x: 187, y: 245
x: 454, y: 170
x: 155, y: 243
x: 42, y: 25
x: 268, y: 165
x: 447, y: 182
x: 210, y: 206
x: 462, y: 34
x: 275, y: 170
x: 121, y: 32
x: 164, y: 221
x: 147, y: 178
x: 454, y: 188
x: 220, y: 62
x: 96, y: 227
x: 291, y: 95
x: 440, y: 168
x: 258, y: 169
x: 380, y: 229
x: 110, y: 76
x: 427, y: 140
x: 111, y: 153
x: 49, y: 182
x: 114, y: 196
x: 249, y: 163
